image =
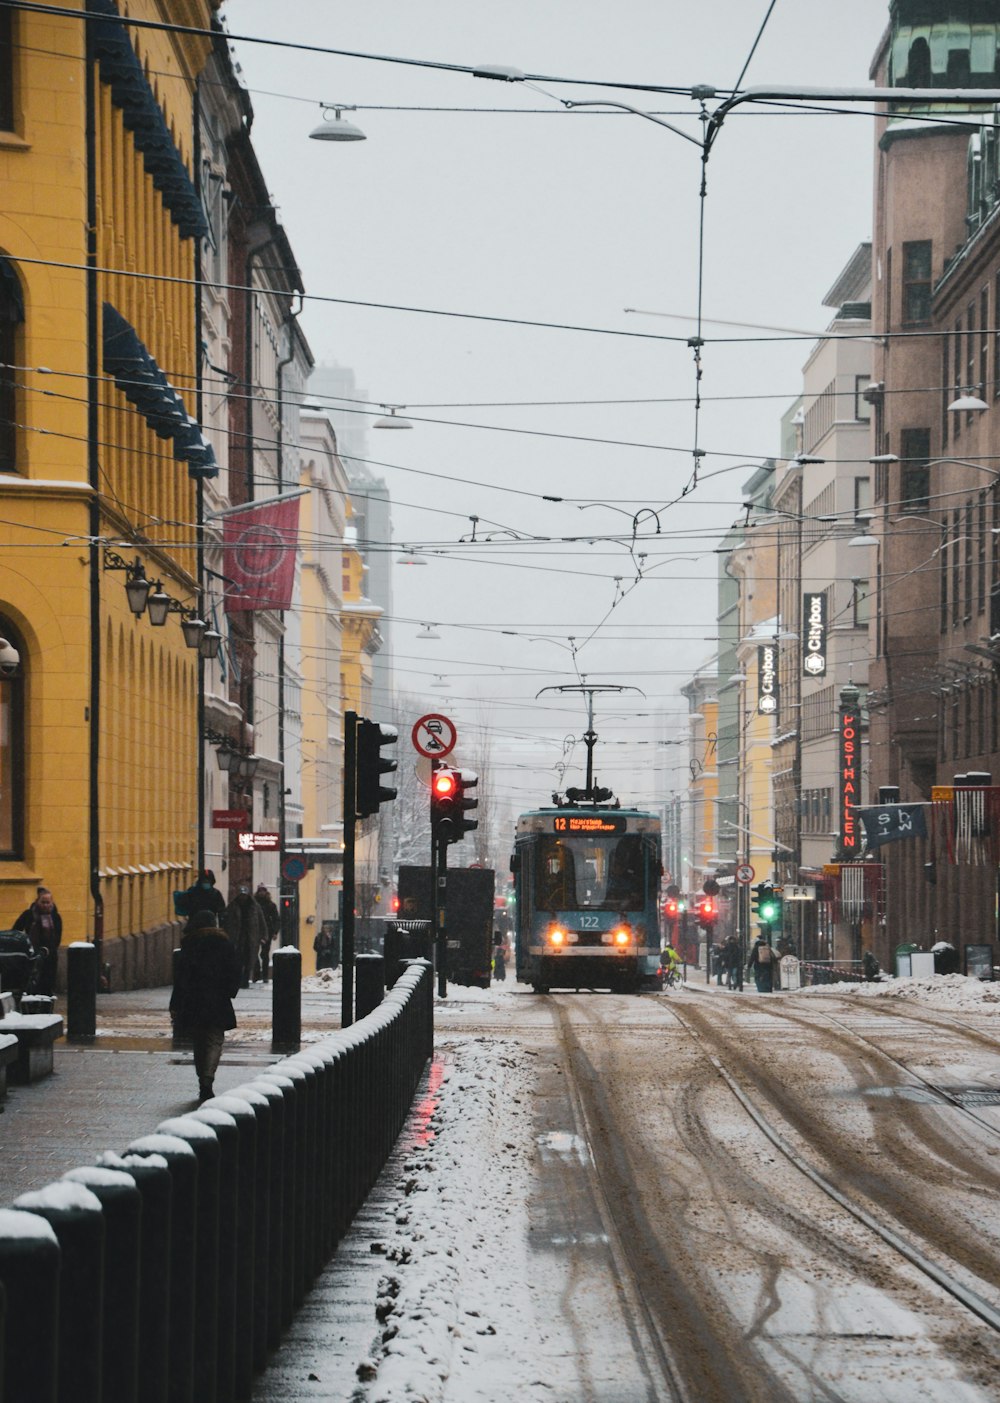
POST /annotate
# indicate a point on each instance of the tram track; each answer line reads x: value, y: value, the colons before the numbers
x: 886, y: 1197
x: 677, y: 1261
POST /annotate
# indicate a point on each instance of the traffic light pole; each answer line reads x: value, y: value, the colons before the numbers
x: 439, y: 881
x: 347, y: 927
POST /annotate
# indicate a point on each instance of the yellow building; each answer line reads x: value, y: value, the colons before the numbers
x: 100, y: 457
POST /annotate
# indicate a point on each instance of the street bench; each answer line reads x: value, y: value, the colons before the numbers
x: 8, y: 1054
x: 35, y: 1034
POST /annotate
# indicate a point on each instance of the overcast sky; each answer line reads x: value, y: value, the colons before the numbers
x: 513, y: 207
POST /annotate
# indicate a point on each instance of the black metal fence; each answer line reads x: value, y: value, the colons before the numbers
x: 168, y: 1272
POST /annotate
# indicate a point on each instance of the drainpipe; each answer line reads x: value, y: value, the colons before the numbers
x: 290, y: 323
x: 93, y: 324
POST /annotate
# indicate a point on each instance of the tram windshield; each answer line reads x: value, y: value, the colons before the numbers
x: 596, y: 872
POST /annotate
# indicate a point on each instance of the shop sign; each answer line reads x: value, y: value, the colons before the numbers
x: 849, y: 748
x: 767, y: 679
x: 814, y: 651
x: 259, y: 842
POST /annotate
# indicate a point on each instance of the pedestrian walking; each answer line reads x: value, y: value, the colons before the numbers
x: 272, y: 920
x: 42, y: 924
x: 244, y: 924
x: 762, y: 962
x: 206, y: 980
x: 499, y: 959
x: 731, y: 961
x: 202, y: 895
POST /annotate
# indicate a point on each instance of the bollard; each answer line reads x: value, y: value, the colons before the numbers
x: 121, y: 1203
x: 151, y: 1176
x: 369, y: 983
x: 267, y: 1301
x: 78, y: 1223
x: 227, y: 1131
x: 205, y: 1143
x: 29, y: 1271
x: 81, y: 989
x: 249, y: 1109
x: 286, y: 998
x: 183, y: 1166
x: 310, y: 1174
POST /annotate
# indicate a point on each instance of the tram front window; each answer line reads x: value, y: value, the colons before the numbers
x: 603, y: 873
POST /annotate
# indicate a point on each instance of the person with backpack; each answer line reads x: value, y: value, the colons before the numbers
x: 762, y: 962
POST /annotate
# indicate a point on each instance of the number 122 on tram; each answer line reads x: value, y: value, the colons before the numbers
x: 587, y: 883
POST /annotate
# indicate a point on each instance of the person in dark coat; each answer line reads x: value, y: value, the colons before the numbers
x: 499, y: 959
x: 272, y: 920
x: 762, y: 962
x: 244, y: 924
x: 202, y: 895
x: 206, y: 980
x: 42, y: 924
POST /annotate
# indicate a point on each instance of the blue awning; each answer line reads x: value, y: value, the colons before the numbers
x: 144, y: 384
x: 120, y: 69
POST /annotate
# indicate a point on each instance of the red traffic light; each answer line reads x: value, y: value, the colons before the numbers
x: 671, y: 909
x: 707, y: 909
x: 444, y: 784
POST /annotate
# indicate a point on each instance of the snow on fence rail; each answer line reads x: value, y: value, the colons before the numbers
x: 168, y: 1272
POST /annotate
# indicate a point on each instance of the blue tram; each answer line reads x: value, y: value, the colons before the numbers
x: 587, y: 885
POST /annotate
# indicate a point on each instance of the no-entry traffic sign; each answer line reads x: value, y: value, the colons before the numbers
x: 434, y: 736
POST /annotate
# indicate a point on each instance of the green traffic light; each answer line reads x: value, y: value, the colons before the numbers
x: 768, y: 911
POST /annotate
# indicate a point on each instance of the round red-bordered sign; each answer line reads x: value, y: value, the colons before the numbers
x: 434, y: 736
x: 744, y: 873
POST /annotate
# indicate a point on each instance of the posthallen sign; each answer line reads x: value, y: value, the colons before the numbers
x: 814, y: 652
x: 767, y: 679
x: 850, y: 741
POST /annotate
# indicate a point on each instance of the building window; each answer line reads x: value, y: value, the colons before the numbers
x: 945, y: 386
x: 956, y: 427
x: 914, y: 470
x: 917, y: 281
x: 956, y: 566
x: 11, y: 318
x: 862, y: 407
x: 12, y: 759
x: 860, y: 603
x: 970, y: 372
x: 984, y: 340
x: 6, y: 71
x: 862, y: 494
x: 982, y: 532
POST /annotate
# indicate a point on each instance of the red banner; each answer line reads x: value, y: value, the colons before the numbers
x: 259, y: 545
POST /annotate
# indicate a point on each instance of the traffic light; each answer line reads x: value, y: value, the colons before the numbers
x: 708, y: 911
x: 770, y: 911
x: 444, y: 788
x: 674, y: 907
x: 465, y: 802
x: 372, y: 765
x: 767, y: 904
x: 451, y: 800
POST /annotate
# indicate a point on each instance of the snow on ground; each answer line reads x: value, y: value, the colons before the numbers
x: 948, y: 992
x: 454, y: 1307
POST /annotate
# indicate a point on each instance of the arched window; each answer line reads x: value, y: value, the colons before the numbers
x: 11, y: 317
x: 12, y: 756
x: 918, y: 65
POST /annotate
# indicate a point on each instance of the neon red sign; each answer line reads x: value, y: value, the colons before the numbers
x: 850, y: 779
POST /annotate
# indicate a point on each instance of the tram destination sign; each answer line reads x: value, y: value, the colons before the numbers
x: 589, y: 823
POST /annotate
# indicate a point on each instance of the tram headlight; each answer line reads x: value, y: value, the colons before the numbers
x: 623, y: 936
x: 557, y: 936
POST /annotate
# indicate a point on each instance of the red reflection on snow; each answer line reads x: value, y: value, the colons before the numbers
x: 427, y: 1105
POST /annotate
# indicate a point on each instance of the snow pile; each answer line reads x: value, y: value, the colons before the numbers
x: 942, y: 991
x: 453, y: 1306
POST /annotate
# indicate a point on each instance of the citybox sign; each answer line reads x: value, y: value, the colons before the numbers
x: 767, y: 679
x: 849, y: 732
x: 814, y: 651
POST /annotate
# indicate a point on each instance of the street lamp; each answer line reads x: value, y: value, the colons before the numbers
x: 337, y: 129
